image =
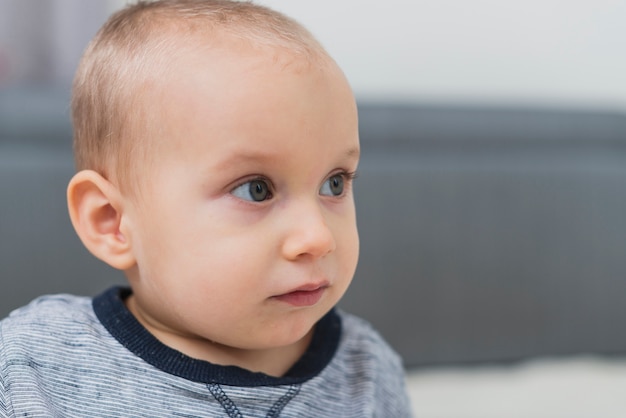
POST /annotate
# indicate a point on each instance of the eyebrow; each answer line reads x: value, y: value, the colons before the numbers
x: 263, y: 156
x: 353, y: 152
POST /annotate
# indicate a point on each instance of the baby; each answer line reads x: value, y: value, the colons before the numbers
x: 216, y: 143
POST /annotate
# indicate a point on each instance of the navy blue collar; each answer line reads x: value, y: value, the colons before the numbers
x: 120, y: 322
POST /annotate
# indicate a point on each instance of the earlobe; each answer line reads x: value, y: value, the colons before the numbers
x: 97, y: 214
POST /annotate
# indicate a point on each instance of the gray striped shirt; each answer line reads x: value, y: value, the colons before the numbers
x: 69, y: 356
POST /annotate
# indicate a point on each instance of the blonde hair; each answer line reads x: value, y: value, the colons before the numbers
x: 131, y: 53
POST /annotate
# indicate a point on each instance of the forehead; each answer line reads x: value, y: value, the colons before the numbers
x: 252, y: 95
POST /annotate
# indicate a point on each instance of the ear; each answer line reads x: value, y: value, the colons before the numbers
x: 96, y: 210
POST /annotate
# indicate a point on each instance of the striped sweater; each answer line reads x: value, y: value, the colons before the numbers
x: 69, y: 356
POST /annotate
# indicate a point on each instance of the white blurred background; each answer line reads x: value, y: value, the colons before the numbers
x: 552, y: 52
x: 558, y: 52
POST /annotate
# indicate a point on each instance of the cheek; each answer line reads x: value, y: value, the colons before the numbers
x: 354, y: 251
x: 163, y: 244
x: 214, y: 264
x: 348, y: 248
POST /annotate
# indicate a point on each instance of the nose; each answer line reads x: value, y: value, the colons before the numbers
x: 308, y: 233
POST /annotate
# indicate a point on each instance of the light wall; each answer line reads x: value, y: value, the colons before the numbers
x: 551, y: 52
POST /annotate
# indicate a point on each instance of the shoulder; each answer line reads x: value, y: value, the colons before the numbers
x: 57, y: 359
x: 50, y: 310
x: 47, y: 323
x: 50, y: 303
x: 366, y: 375
x: 359, y: 336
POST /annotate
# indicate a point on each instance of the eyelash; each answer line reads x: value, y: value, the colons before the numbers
x: 348, y: 175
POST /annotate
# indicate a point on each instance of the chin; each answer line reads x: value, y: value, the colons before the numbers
x: 293, y: 331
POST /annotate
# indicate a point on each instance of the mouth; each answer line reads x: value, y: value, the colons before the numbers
x: 307, y: 295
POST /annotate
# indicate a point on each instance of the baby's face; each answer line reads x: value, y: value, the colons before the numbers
x: 246, y: 233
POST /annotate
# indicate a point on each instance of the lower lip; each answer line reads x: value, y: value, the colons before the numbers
x: 302, y: 297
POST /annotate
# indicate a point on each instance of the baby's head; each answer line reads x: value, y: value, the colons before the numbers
x: 216, y: 143
x: 118, y: 87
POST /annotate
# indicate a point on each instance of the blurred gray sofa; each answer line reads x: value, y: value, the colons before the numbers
x: 487, y: 234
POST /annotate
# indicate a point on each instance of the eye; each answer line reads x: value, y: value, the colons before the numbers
x: 253, y: 191
x: 333, y: 186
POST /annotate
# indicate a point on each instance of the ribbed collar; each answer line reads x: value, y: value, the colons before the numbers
x: 120, y: 322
